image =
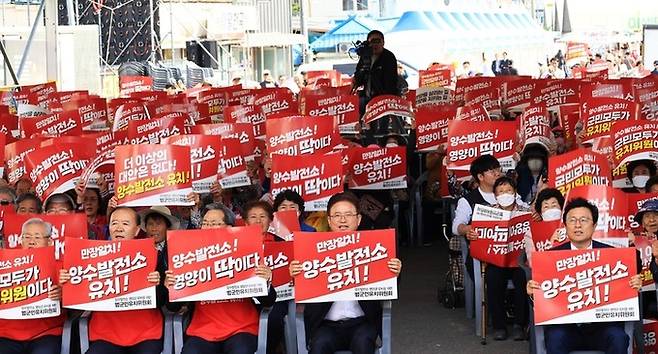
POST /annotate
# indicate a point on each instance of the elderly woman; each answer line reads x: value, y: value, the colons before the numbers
x: 227, y: 326
x: 548, y: 207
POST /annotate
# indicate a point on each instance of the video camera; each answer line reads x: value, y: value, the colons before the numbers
x: 364, y: 51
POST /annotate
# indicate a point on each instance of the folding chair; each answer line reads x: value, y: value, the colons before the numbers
x: 166, y: 335
x: 182, y: 320
x: 384, y: 344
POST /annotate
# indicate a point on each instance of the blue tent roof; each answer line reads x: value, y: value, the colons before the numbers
x: 414, y: 20
x: 350, y: 30
x: 464, y: 21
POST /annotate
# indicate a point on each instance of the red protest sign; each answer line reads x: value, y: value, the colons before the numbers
x: 377, y: 168
x: 63, y: 226
x: 273, y: 101
x: 109, y: 275
x: 15, y: 157
x: 26, y: 276
x: 432, y: 126
x: 128, y: 112
x: 649, y: 329
x: 344, y: 109
x: 204, y: 156
x: 284, y: 224
x: 131, y: 84
x: 578, y: 168
x: 518, y: 94
x: 648, y: 101
x: 555, y: 93
x: 92, y: 111
x: 585, y: 286
x: 634, y: 140
x: 479, y: 84
x: 384, y: 105
x: 613, y: 210
x: 278, y: 256
x: 147, y: 175
x: 541, y: 233
x: 500, y: 235
x: 56, y: 168
x: 468, y: 140
x: 247, y: 114
x: 643, y: 246
x: 473, y: 112
x: 345, y: 266
x: 58, y: 124
x: 635, y: 201
x: 316, y: 177
x: 489, y: 98
x: 598, y: 115
x: 568, y: 116
x: 215, y: 98
x: 536, y: 126
x: 313, y: 76
x: 619, y: 88
x: 152, y: 131
x: 232, y: 171
x: 576, y: 53
x: 301, y: 136
x: 434, y: 78
x: 215, y: 264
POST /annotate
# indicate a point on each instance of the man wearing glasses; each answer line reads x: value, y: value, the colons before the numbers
x: 580, y: 218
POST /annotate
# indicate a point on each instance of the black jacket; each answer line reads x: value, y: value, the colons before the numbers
x: 314, y: 314
x: 383, y: 74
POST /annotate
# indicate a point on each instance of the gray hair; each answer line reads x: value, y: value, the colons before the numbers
x: 37, y: 221
x: 229, y: 216
x: 10, y: 192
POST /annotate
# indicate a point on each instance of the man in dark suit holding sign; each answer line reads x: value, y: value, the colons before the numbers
x: 580, y: 218
x: 343, y: 325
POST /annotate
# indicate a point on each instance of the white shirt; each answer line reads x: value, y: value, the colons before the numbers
x: 464, y: 211
x: 344, y: 310
x: 573, y: 248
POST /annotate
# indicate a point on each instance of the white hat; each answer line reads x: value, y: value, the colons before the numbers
x: 266, y: 72
x: 174, y: 223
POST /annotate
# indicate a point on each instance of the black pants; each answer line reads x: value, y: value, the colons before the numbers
x: 357, y: 335
x: 145, y: 347
x: 275, y: 326
x: 41, y: 345
x: 609, y: 337
x: 240, y: 343
x: 496, y: 278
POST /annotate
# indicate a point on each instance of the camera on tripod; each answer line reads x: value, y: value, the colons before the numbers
x: 363, y: 49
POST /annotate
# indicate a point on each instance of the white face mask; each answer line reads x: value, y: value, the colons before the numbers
x: 391, y: 145
x: 551, y: 214
x: 535, y: 165
x: 640, y: 181
x: 506, y: 199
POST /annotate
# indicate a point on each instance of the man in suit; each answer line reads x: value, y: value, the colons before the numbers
x: 580, y: 218
x: 343, y: 325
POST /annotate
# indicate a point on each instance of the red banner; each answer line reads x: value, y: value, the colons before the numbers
x: 556, y: 93
x: 585, y: 286
x: 131, y: 84
x: 147, y: 175
x: 472, y: 112
x: 500, y: 235
x: 434, y: 78
x: 152, y: 131
x: 15, y: 157
x: 128, y: 112
x: 278, y: 256
x: 385, y: 105
x: 536, y: 126
x: 489, y: 99
x: 215, y: 98
x: 204, y: 156
x: 598, y: 115
x: 284, y: 224
x: 643, y: 246
x: 580, y: 167
x: 648, y: 100
x: 576, y: 53
x: 345, y: 266
x: 56, y: 168
x: 247, y: 114
x: 232, y: 170
x: 377, y: 168
x: 635, y: 140
x: 316, y: 178
x: 58, y: 124
x: 216, y: 264
x: 301, y: 136
x: 612, y: 227
x: 468, y: 140
x: 109, y: 275
x: 518, y: 94
x: 26, y: 276
x: 618, y: 88
x: 542, y: 231
x: 344, y: 109
x: 273, y: 101
x: 432, y: 126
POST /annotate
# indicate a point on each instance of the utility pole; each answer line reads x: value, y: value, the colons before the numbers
x: 306, y: 51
